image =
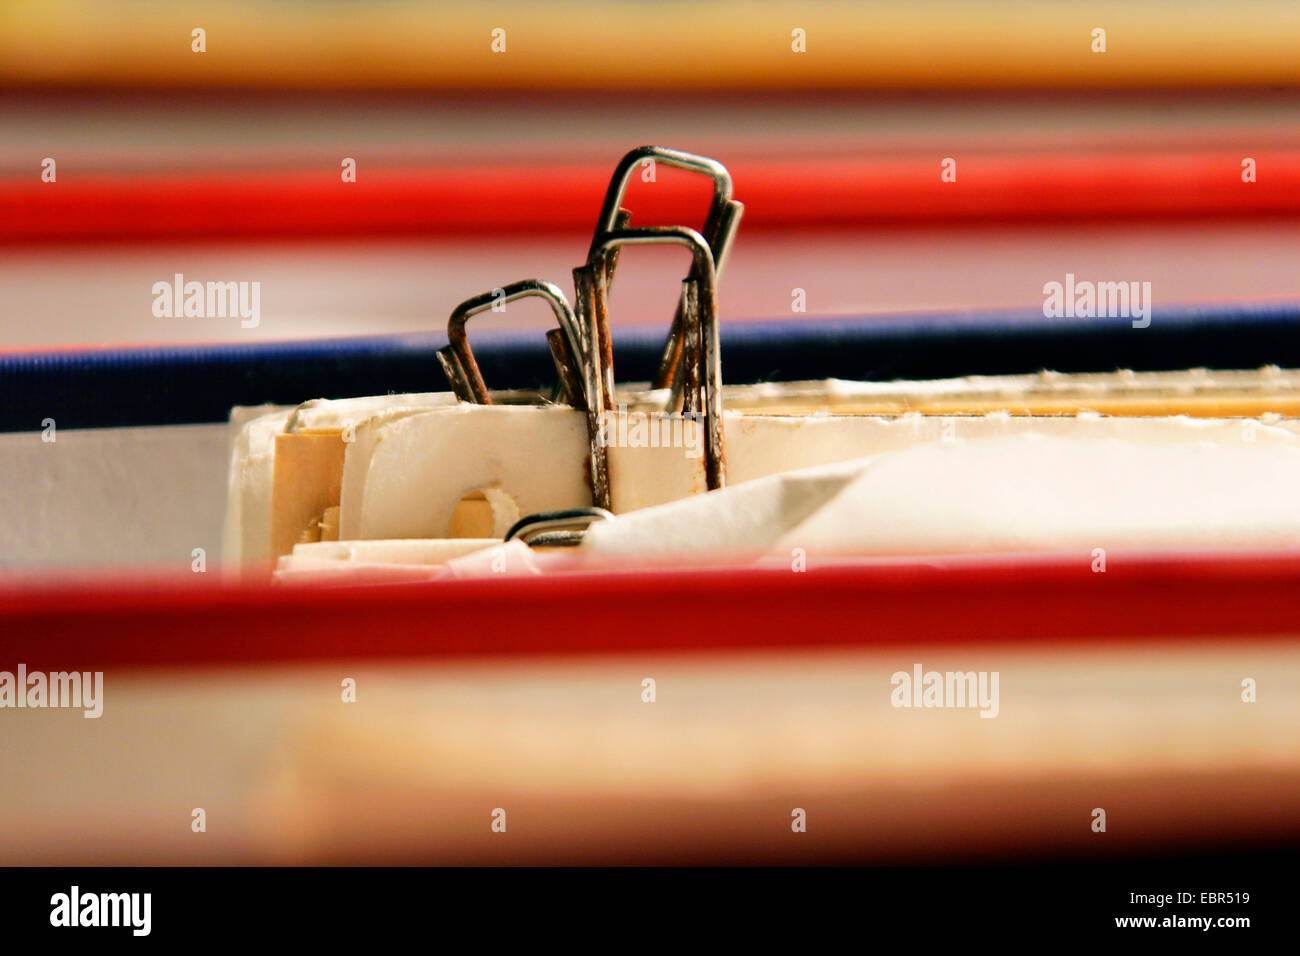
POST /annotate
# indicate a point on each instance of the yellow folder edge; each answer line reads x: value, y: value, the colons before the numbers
x: 661, y: 46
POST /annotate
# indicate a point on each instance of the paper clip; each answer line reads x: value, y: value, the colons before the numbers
x: 457, y: 359
x: 556, y: 528
x: 582, y: 347
x: 719, y: 230
x: 700, y: 357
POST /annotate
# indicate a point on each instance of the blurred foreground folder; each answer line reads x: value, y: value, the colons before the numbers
x: 691, y: 716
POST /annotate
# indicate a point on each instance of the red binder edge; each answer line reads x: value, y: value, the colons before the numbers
x: 835, y: 191
x: 1033, y: 601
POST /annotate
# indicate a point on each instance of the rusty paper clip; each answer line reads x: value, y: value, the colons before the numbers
x: 457, y: 359
x: 691, y: 365
x: 719, y: 230
x: 701, y: 357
